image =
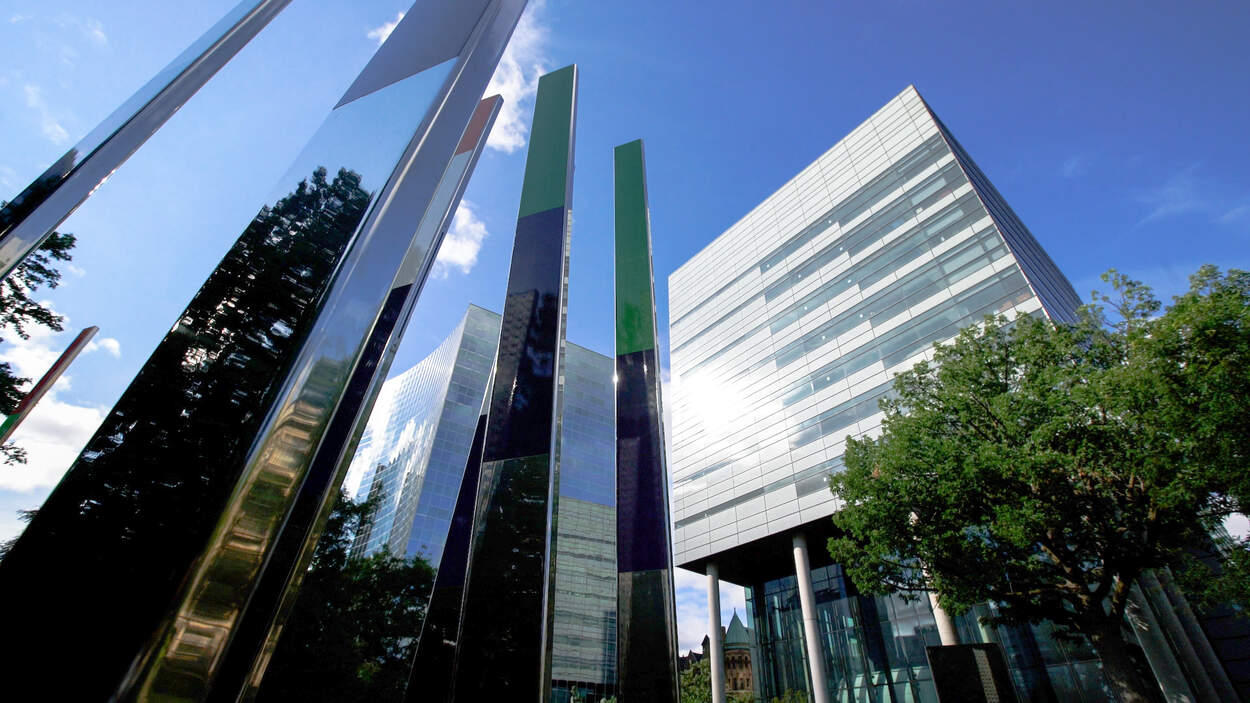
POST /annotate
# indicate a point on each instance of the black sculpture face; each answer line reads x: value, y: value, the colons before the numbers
x: 504, y: 648
x: 136, y: 508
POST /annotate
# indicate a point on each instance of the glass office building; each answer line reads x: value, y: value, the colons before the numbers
x: 412, y: 457
x: 786, y: 331
x: 412, y: 453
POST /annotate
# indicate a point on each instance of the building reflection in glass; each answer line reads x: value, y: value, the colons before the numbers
x: 584, y: 663
x: 434, y: 661
x: 874, y: 647
x: 350, y: 634
x: 348, y: 320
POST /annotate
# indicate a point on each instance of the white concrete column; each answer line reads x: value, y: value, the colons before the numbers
x: 945, y: 623
x: 1154, y: 644
x: 1198, y: 638
x: 1167, y: 612
x: 714, y: 636
x: 811, y: 629
x: 947, y: 634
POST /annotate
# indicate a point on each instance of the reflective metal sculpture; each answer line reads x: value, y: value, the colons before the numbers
x: 434, y: 663
x: 276, y: 593
x: 45, y: 383
x: 646, y: 622
x: 161, y: 554
x: 504, y: 644
x: 27, y: 220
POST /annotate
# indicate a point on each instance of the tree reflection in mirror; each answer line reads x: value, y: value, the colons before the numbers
x: 353, y: 631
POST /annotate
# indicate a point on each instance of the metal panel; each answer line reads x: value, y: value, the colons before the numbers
x: 646, y: 630
x: 175, y: 512
x: 30, y: 217
x: 278, y: 589
x: 40, y: 389
x: 504, y: 646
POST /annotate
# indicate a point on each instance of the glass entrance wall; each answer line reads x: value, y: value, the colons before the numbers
x: 874, y: 647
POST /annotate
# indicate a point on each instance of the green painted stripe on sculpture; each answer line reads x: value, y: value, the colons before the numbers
x: 551, y: 143
x: 635, y: 302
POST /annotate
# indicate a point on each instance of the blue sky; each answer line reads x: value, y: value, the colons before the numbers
x: 1115, y: 130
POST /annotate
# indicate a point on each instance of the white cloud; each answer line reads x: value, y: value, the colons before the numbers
x: 1166, y: 280
x: 516, y: 79
x: 91, y: 28
x: 53, y: 435
x: 108, y: 344
x: 77, y: 271
x: 1177, y: 195
x: 34, y: 95
x: 690, y: 590
x: 1187, y: 192
x: 47, y: 123
x: 54, y: 132
x: 462, y: 242
x: 381, y: 32
x: 56, y: 430
x: 1075, y: 165
x: 1234, y: 214
x: 94, y: 31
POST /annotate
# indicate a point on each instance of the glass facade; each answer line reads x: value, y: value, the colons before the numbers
x: 787, y: 329
x: 412, y: 454
x: 435, y: 656
x: 786, y: 332
x: 874, y: 647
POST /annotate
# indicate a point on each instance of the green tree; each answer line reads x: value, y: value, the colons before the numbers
x: 19, y: 312
x: 1045, y: 466
x: 695, y: 683
x: 353, y: 631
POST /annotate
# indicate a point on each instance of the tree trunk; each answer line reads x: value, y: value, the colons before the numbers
x: 1118, y: 665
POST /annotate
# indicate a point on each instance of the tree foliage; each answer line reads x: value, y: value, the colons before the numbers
x: 353, y: 631
x: 695, y: 683
x: 790, y: 696
x: 1045, y: 466
x: 19, y: 312
x: 149, y: 487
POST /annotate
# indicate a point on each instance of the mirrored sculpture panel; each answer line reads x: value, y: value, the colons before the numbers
x: 504, y: 645
x: 646, y: 629
x: 27, y: 220
x: 163, y: 551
